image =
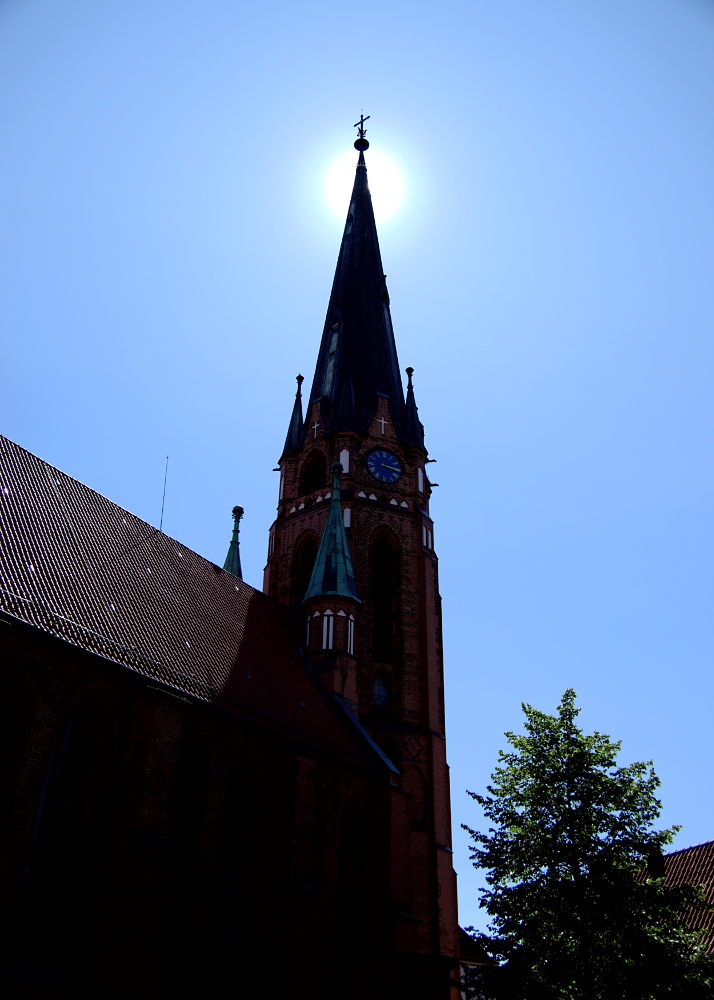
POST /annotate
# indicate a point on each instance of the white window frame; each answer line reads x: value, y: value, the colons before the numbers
x: 328, y: 630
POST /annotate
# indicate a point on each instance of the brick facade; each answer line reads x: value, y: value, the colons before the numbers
x: 411, y: 728
x: 185, y: 850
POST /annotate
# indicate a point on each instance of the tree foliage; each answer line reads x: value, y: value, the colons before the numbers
x: 573, y: 913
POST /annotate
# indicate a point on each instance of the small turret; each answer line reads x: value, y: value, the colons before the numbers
x: 414, y: 427
x: 232, y: 563
x: 332, y: 575
x: 330, y: 605
x: 296, y: 427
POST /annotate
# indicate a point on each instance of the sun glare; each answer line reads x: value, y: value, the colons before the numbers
x: 385, y: 184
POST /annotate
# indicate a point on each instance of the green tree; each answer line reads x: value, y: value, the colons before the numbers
x: 573, y: 913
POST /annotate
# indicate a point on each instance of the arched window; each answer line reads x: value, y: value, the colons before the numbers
x: 313, y: 474
x: 351, y: 635
x: 57, y: 878
x: 349, y: 872
x: 328, y: 630
x: 187, y: 818
x: 231, y: 913
x: 385, y: 589
x: 16, y: 712
x: 380, y: 692
x: 303, y: 562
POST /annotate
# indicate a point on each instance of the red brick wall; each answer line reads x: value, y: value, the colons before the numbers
x: 413, y: 728
x: 203, y: 849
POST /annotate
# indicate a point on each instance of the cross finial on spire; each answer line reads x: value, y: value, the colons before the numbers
x: 360, y: 142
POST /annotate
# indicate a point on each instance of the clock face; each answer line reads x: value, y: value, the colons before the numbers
x: 384, y: 466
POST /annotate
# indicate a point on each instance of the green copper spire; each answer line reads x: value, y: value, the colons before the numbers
x: 232, y: 563
x: 333, y: 573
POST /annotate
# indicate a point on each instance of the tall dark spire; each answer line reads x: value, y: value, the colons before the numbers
x: 358, y: 335
x: 293, y: 440
x: 414, y: 427
x: 232, y: 563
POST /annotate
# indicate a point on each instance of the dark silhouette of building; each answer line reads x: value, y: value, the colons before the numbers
x: 208, y: 790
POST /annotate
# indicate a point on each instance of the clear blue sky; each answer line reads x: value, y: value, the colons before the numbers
x: 167, y: 255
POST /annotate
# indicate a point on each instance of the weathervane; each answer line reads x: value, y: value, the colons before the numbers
x: 360, y: 142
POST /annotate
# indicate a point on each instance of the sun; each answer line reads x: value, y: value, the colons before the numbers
x: 385, y: 184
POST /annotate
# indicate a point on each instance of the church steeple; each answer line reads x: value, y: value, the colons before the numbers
x: 332, y: 574
x: 357, y: 340
x: 358, y: 562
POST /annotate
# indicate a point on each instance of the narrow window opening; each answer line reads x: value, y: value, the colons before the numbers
x: 328, y: 630
x: 313, y: 474
x: 380, y: 692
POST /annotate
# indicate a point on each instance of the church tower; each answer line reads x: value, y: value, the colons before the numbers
x: 352, y: 551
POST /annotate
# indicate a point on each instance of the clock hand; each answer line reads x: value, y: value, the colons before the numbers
x: 394, y: 468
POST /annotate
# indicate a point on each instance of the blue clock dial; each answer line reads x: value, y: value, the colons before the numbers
x: 384, y: 466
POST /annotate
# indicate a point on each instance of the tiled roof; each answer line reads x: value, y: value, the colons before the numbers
x: 77, y: 566
x: 695, y: 865
x: 471, y: 953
